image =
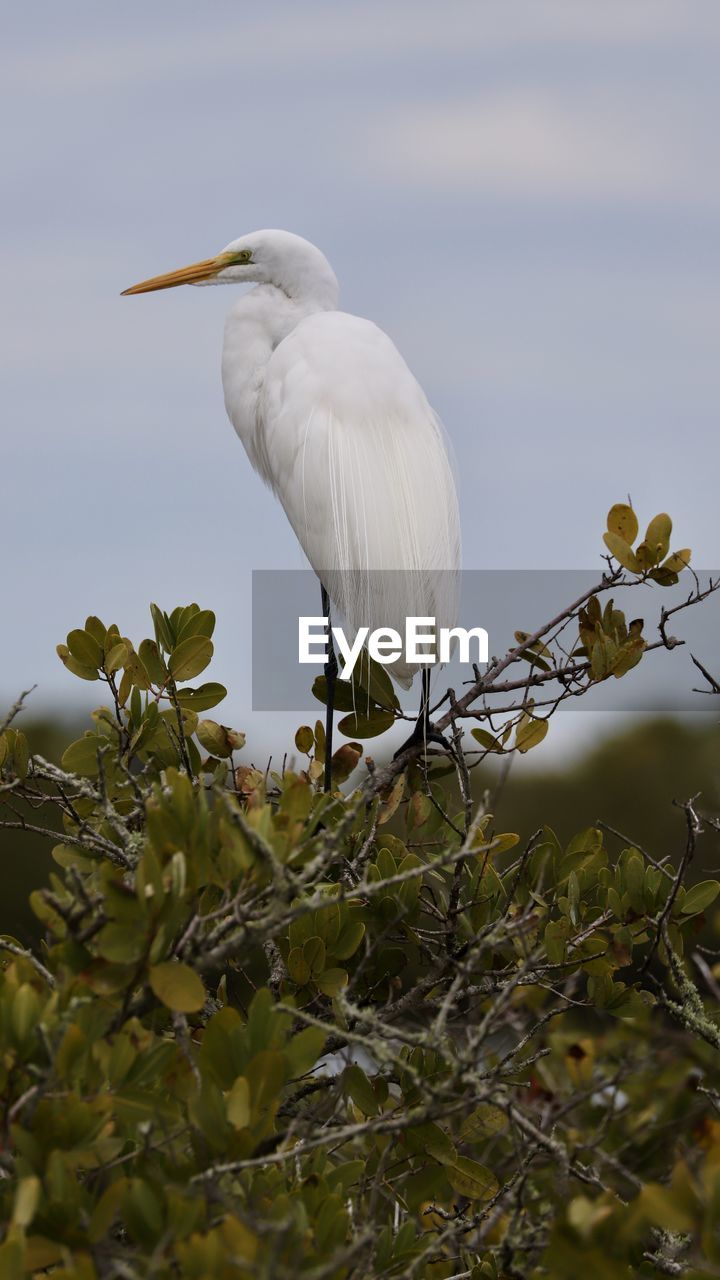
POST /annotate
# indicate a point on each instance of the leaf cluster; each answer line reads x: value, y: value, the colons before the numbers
x: 273, y: 1031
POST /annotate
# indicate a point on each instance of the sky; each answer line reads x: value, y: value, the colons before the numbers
x: 524, y: 193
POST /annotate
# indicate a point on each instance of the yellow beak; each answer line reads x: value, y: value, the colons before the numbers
x: 186, y: 275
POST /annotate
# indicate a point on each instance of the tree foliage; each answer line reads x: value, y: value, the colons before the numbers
x: 274, y: 1031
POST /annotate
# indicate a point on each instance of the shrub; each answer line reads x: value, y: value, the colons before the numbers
x: 275, y: 1031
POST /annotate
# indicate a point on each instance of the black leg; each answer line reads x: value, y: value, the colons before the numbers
x: 424, y: 731
x: 424, y: 717
x: 331, y: 670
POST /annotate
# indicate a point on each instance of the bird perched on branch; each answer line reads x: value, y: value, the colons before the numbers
x: 335, y: 423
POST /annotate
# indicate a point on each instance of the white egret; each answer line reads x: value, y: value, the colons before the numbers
x: 335, y: 423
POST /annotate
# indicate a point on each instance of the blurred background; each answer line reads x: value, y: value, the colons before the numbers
x: 523, y: 193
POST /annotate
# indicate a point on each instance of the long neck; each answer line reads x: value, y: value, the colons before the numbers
x: 254, y: 327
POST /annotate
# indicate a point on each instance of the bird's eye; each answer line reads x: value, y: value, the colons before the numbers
x: 245, y: 255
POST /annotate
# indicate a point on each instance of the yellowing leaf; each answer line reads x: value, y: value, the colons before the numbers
x: 218, y: 739
x: 530, y: 733
x: 177, y: 986
x: 657, y: 535
x: 678, y: 561
x: 621, y: 551
x: 507, y: 840
x: 237, y: 1104
x: 391, y: 800
x: 344, y: 760
x: 27, y: 1197
x: 623, y: 522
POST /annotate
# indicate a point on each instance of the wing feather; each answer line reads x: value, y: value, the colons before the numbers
x: 359, y: 461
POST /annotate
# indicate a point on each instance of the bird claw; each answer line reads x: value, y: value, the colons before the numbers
x: 425, y: 734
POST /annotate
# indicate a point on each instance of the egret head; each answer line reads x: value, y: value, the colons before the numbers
x: 276, y: 258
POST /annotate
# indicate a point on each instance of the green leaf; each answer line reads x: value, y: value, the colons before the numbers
x: 555, y: 938
x: 486, y: 740
x: 430, y: 1140
x: 21, y: 754
x: 201, y: 623
x: 362, y: 726
x: 190, y: 657
x: 85, y: 648
x: 266, y: 1074
x: 622, y: 521
x: 81, y: 756
x: 96, y: 629
x: 116, y: 658
x: 12, y: 1260
x: 635, y: 879
x: 348, y: 941
x: 359, y: 1088
x: 332, y: 982
x: 483, y: 1122
x: 163, y: 633
x: 471, y: 1179
x: 142, y: 1212
x: 135, y: 672
x: 700, y: 896
x: 216, y: 739
x: 298, y: 967
x: 371, y: 677
x: 314, y: 955
x: 304, y: 739
x: 346, y: 698
x: 204, y: 698
x: 77, y: 668
x: 660, y: 1205
x: 121, y: 943
x: 153, y: 662
x: 25, y: 1010
x: 177, y: 986
x: 304, y: 1050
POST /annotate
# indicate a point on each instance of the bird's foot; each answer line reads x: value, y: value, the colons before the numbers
x: 422, y: 735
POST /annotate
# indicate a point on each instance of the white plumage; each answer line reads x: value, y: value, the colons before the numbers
x: 334, y: 421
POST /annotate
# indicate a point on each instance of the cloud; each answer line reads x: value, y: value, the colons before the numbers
x: 602, y: 144
x: 296, y: 40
